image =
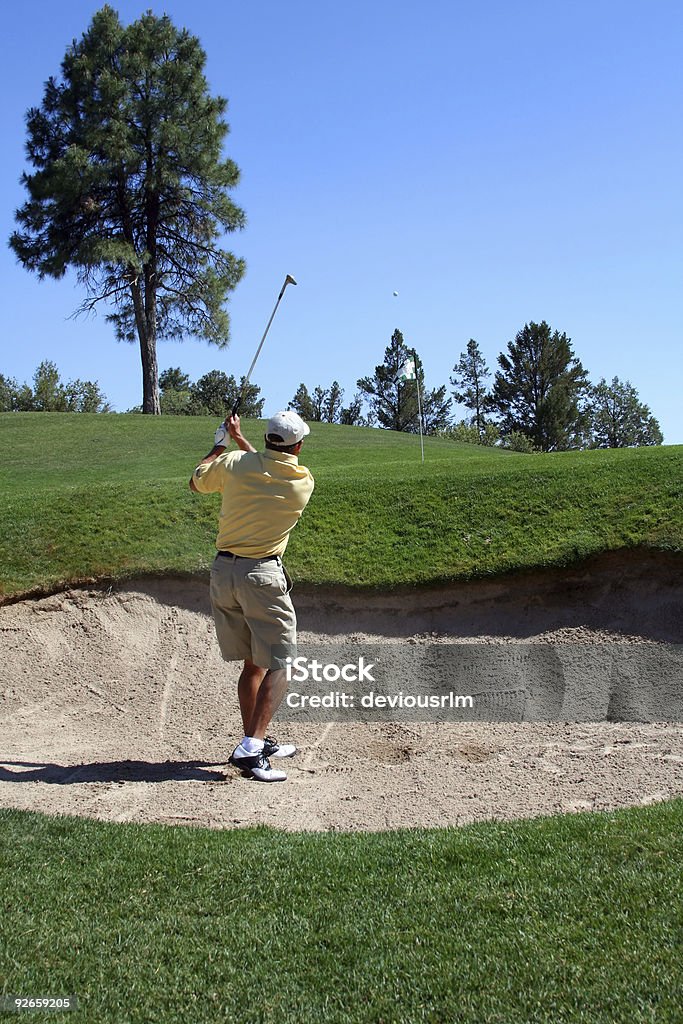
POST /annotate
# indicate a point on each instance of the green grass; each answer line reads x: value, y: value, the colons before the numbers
x: 99, y: 496
x: 566, y: 919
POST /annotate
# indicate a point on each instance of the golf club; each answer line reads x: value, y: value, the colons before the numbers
x: 288, y: 280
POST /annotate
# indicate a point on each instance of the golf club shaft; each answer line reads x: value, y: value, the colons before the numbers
x: 235, y: 409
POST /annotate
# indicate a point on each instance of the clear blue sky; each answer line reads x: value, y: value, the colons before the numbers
x: 494, y: 163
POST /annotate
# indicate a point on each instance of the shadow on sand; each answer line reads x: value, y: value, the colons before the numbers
x: 110, y: 771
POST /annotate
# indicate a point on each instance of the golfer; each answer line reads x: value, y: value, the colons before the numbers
x: 263, y: 496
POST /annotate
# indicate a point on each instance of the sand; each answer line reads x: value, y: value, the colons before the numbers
x: 116, y: 705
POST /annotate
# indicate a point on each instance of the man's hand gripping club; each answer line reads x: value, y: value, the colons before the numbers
x: 231, y: 428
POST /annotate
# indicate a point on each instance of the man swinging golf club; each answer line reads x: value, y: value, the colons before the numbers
x: 263, y: 496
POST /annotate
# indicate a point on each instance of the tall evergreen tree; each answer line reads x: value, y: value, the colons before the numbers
x: 436, y: 409
x: 302, y: 403
x: 352, y: 414
x: 394, y: 402
x: 333, y: 403
x: 318, y: 401
x: 434, y: 405
x: 324, y: 405
x: 469, y: 378
x: 619, y: 419
x: 130, y: 188
x: 539, y: 389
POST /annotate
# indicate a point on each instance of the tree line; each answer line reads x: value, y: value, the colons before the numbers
x: 540, y: 399
x: 50, y: 393
x: 214, y: 394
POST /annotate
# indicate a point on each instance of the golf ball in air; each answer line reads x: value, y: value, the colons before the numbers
x: 395, y: 293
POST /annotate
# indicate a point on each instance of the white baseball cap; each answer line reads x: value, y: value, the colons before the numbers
x: 288, y: 427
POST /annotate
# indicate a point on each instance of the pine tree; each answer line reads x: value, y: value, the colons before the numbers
x: 619, y: 419
x: 302, y: 403
x: 324, y: 405
x: 469, y: 379
x: 436, y: 409
x: 394, y: 402
x: 352, y: 414
x: 130, y: 188
x: 539, y: 388
x: 318, y: 401
x: 333, y: 403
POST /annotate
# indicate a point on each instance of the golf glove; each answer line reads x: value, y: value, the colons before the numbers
x: 221, y: 436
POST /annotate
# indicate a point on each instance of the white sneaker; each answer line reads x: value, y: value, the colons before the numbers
x: 271, y: 748
x: 256, y: 765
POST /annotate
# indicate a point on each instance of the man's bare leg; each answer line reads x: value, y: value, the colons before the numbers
x: 260, y: 692
x: 268, y: 700
x: 247, y: 692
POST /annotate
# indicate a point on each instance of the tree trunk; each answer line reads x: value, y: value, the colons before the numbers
x: 150, y: 375
x: 146, y: 328
x: 150, y: 370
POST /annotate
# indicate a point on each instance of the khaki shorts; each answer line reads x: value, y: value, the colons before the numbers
x: 252, y: 609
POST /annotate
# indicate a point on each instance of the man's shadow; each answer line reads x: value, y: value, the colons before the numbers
x: 111, y: 771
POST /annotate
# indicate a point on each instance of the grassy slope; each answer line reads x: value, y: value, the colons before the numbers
x: 90, y: 496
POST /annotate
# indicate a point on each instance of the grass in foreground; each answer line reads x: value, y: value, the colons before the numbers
x: 565, y: 919
x: 90, y: 496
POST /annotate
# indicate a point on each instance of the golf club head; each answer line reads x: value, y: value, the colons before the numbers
x: 289, y: 280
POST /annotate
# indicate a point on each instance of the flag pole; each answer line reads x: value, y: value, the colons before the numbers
x: 419, y: 405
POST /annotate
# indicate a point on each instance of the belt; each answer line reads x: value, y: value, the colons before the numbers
x: 265, y: 558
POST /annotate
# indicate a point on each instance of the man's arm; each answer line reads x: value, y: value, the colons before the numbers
x: 217, y: 450
x: 232, y: 425
x: 235, y: 431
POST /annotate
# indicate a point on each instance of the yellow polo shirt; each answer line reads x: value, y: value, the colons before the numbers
x: 264, y: 494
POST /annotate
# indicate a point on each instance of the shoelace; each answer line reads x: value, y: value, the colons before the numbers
x: 262, y: 762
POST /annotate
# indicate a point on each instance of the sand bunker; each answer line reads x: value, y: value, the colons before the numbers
x: 115, y: 704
